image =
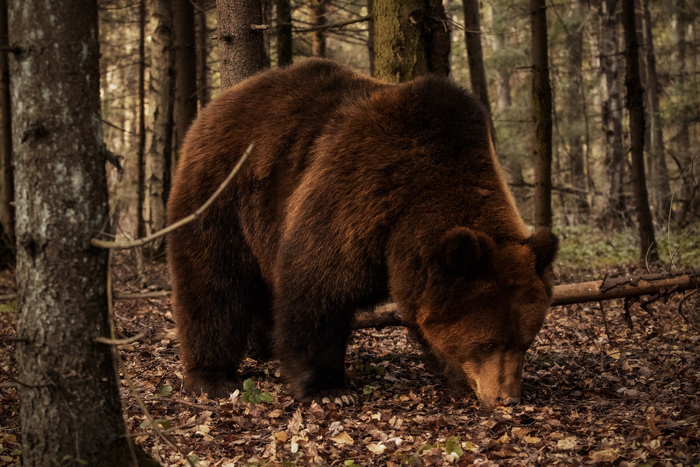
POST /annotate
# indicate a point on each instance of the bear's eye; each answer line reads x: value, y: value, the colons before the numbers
x: 489, y: 347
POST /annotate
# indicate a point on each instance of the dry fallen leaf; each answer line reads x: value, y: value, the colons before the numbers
x: 567, y: 443
x: 342, y: 438
x: 376, y: 448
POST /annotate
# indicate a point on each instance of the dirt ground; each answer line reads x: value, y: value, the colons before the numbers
x: 591, y: 396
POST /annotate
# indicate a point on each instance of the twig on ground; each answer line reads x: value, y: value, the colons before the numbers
x: 129, y: 340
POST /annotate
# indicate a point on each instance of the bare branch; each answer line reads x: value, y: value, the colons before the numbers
x: 194, y: 216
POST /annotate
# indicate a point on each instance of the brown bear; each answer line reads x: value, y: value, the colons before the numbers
x: 357, y: 192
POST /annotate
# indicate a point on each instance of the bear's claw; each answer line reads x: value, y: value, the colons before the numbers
x: 340, y: 398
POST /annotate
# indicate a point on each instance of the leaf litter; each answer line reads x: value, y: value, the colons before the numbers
x: 630, y: 398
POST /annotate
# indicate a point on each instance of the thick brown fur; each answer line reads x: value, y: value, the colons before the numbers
x: 357, y: 192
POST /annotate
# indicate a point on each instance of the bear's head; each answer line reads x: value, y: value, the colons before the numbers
x: 484, y: 304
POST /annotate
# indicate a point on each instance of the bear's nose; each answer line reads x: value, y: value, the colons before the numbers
x: 513, y: 400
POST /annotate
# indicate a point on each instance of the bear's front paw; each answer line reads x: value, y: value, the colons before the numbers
x: 216, y: 384
x: 340, y: 397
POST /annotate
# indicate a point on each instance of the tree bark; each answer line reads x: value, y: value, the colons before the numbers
x: 186, y: 66
x: 140, y: 159
x: 203, y: 80
x: 615, y: 213
x: 7, y: 194
x: 681, y: 140
x: 241, y: 48
x: 162, y: 90
x: 475, y: 58
x: 635, y: 104
x: 319, y: 18
x: 657, y: 149
x: 284, y: 32
x: 408, y: 39
x: 69, y: 389
x: 542, y: 107
x: 370, y: 37
x: 574, y: 110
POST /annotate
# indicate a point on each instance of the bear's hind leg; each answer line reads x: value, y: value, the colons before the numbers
x: 215, y: 292
x: 310, y: 342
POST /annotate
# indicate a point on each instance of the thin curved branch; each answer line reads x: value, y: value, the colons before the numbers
x: 195, y: 215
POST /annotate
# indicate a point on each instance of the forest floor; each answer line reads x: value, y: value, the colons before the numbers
x: 593, y: 393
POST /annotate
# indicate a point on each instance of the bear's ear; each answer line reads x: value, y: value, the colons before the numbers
x: 466, y: 252
x: 544, y: 245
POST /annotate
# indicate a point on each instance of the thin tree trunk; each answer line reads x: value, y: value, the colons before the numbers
x: 542, y: 107
x: 284, y: 32
x: 140, y: 161
x: 370, y: 37
x: 319, y: 18
x: 203, y: 81
x: 657, y: 149
x: 162, y: 90
x: 7, y: 195
x: 635, y: 104
x: 682, y: 138
x: 574, y: 110
x: 186, y: 66
x: 408, y: 39
x: 241, y: 47
x: 615, y: 213
x: 69, y: 390
x: 475, y: 57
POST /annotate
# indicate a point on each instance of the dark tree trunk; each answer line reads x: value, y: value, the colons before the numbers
x: 319, y: 18
x: 69, y: 392
x: 163, y: 62
x: 241, y: 46
x: 635, y: 104
x: 681, y: 140
x: 411, y: 39
x: 203, y: 81
x: 657, y: 149
x: 615, y: 213
x: 284, y: 32
x: 186, y: 66
x: 574, y: 110
x: 370, y: 38
x: 475, y: 57
x: 542, y: 107
x: 7, y: 194
x: 140, y: 160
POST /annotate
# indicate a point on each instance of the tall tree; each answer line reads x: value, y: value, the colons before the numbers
x: 241, y: 44
x: 186, y: 65
x: 635, y: 105
x: 574, y: 110
x: 203, y: 81
x: 662, y: 192
x: 542, y: 107
x: 141, y: 147
x: 7, y: 196
x: 475, y: 56
x: 370, y: 38
x: 162, y: 98
x: 681, y: 140
x: 71, y: 410
x: 410, y: 39
x: 614, y: 214
x: 284, y: 32
x: 319, y: 18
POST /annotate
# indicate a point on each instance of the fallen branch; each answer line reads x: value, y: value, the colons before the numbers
x: 127, y: 341
x: 195, y: 215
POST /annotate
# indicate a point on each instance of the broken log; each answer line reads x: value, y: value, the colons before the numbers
x: 568, y: 294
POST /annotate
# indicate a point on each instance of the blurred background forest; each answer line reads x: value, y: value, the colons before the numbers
x: 592, y: 194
